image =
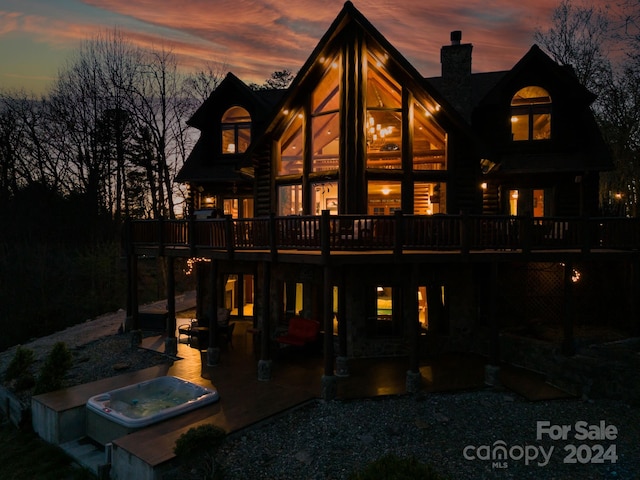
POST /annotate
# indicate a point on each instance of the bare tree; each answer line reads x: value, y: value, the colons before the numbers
x: 602, y: 47
x: 199, y: 85
x: 24, y: 136
x: 578, y: 37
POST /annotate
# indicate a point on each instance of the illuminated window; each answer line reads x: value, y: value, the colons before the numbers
x: 429, y: 141
x: 383, y: 197
x: 531, y: 114
x: 290, y: 200
x: 429, y: 198
x: 324, y: 196
x: 291, y: 148
x: 384, y: 117
x: 236, y: 130
x: 325, y: 121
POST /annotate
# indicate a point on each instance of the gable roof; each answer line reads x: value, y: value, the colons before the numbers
x: 349, y: 18
x: 535, y: 61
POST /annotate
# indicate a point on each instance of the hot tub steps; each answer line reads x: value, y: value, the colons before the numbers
x: 87, y: 454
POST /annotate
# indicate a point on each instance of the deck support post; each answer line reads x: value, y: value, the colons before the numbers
x: 264, y: 314
x: 171, y: 342
x: 329, y: 381
x: 412, y: 319
x: 568, y: 347
x: 342, y: 360
x: 213, y: 353
x: 131, y: 321
x: 492, y: 369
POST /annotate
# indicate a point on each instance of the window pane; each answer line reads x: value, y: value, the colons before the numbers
x: 383, y: 197
x: 244, y: 137
x: 429, y: 198
x: 236, y: 129
x: 325, y: 97
x: 290, y: 200
x: 429, y: 142
x: 384, y: 117
x: 382, y: 90
x: 538, y: 203
x: 228, y: 139
x: 236, y: 115
x: 326, y: 142
x: 541, y: 126
x: 384, y: 139
x: 531, y: 96
x: 291, y: 149
x: 513, y: 202
x: 324, y: 196
x: 520, y: 127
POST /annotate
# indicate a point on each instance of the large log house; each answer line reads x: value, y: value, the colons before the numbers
x: 408, y: 215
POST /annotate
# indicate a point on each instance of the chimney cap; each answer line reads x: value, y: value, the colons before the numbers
x: 456, y: 37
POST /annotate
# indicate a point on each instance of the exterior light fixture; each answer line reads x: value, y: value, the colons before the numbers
x: 483, y: 185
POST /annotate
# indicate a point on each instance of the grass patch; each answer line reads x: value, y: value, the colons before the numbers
x: 24, y: 455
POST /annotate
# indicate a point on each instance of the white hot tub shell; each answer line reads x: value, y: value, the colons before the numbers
x: 116, y: 413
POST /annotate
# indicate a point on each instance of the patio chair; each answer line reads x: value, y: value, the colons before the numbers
x: 185, y: 329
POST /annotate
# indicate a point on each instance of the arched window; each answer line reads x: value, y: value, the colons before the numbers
x: 236, y: 130
x: 531, y: 114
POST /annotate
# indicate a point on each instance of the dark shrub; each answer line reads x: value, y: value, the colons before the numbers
x: 55, y: 367
x: 19, y: 369
x: 20, y: 364
x: 197, y: 448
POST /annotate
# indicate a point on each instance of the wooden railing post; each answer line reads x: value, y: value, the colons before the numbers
x: 398, y: 241
x: 191, y: 234
x: 161, y: 237
x: 465, y: 233
x: 526, y: 233
x: 585, y: 234
x: 273, y: 237
x: 228, y: 233
x: 325, y: 229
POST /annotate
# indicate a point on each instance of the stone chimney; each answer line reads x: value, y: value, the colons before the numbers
x: 456, y: 73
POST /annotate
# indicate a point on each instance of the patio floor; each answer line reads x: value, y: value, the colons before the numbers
x: 295, y: 380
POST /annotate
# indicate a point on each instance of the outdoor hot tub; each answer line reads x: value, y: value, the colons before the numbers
x: 116, y: 413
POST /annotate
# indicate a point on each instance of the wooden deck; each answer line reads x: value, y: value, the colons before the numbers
x: 245, y: 401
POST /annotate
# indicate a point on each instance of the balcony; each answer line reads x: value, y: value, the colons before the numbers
x: 398, y: 234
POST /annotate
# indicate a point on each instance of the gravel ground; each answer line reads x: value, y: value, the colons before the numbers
x: 328, y: 440
x: 98, y: 352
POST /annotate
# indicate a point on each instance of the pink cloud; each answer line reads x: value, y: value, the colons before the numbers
x: 271, y: 34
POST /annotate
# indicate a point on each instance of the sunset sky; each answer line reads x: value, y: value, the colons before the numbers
x: 254, y: 38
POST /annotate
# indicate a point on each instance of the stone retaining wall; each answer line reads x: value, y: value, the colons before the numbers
x: 606, y: 370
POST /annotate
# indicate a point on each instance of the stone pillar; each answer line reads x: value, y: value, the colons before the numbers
x: 414, y: 381
x: 329, y: 387
x: 492, y: 369
x: 342, y: 366
x: 412, y: 320
x: 568, y: 347
x: 264, y: 370
x: 491, y: 377
x: 213, y: 356
x: 171, y: 346
x: 171, y: 343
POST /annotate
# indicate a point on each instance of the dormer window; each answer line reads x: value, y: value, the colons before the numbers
x: 531, y: 114
x: 236, y: 130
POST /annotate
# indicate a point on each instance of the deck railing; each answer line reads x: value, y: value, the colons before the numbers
x: 395, y: 232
